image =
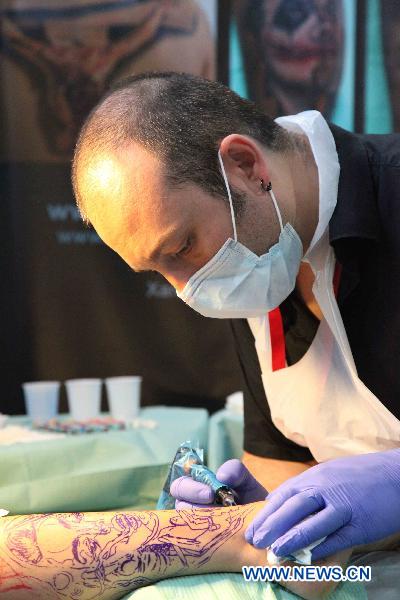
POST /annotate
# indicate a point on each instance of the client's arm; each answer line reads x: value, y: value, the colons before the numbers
x: 106, y: 555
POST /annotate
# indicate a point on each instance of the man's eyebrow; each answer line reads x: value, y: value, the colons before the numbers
x: 163, y: 240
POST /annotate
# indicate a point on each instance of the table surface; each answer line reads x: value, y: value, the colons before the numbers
x: 97, y: 471
x: 126, y: 469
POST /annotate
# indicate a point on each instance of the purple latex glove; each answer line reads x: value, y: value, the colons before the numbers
x: 233, y: 473
x: 356, y: 500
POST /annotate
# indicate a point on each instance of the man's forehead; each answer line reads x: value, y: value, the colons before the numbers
x: 132, y: 207
x: 131, y: 163
x: 120, y: 177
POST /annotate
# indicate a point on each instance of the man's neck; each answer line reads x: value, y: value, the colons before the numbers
x: 307, y: 214
x: 304, y: 282
x: 306, y: 188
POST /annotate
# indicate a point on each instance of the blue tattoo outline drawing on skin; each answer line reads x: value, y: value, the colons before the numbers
x: 131, y: 550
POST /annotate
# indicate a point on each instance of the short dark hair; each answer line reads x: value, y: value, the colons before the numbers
x: 182, y: 119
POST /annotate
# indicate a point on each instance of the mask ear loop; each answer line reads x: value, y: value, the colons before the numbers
x: 229, y: 195
x: 268, y: 188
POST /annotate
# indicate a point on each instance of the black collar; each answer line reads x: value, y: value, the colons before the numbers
x: 354, y: 224
x: 356, y: 214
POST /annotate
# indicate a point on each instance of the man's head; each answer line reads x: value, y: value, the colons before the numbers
x: 146, y: 172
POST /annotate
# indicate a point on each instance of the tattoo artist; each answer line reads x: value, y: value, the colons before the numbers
x: 291, y: 229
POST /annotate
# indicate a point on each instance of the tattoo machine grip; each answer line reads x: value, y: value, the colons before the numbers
x: 223, y: 494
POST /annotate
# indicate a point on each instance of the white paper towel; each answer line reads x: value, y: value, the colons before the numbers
x: 302, y: 556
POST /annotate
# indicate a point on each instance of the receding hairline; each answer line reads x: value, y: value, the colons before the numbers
x: 89, y: 144
x: 121, y: 177
x: 113, y: 122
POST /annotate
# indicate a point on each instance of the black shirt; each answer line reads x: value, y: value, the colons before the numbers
x: 364, y: 232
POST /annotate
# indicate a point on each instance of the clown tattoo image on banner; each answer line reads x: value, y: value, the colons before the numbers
x: 292, y: 52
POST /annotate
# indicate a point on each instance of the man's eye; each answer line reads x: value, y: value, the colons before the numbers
x: 185, y: 249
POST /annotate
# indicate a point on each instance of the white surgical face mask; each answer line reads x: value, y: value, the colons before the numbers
x: 236, y: 283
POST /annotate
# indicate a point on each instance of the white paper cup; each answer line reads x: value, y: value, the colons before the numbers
x: 41, y: 399
x: 84, y: 397
x: 124, y: 397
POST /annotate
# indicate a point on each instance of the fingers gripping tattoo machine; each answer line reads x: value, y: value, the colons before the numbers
x: 188, y: 461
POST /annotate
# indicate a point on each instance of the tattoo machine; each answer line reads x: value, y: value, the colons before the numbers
x: 188, y: 461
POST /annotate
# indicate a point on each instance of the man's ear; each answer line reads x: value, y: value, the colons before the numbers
x: 244, y: 162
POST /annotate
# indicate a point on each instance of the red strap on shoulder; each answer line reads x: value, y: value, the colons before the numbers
x: 277, y: 339
x: 277, y: 333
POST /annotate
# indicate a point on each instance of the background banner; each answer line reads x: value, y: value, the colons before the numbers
x: 70, y: 306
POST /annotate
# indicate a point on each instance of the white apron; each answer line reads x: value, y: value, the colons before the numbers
x: 320, y: 402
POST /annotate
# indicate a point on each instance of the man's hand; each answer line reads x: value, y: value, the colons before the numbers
x: 233, y: 473
x: 353, y: 500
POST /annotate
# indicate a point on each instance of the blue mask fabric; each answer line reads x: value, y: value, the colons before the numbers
x: 236, y: 282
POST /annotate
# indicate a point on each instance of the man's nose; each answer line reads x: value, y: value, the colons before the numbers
x: 179, y: 280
